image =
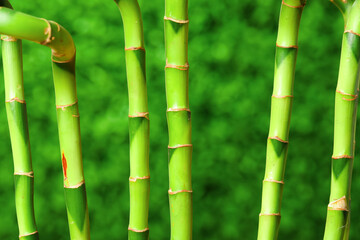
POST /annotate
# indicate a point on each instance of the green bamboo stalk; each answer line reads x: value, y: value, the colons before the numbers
x: 281, y: 104
x: 19, y: 135
x: 346, y: 99
x: 139, y: 180
x: 178, y: 118
x: 51, y: 34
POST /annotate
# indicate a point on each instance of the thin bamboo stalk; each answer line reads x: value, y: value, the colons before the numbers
x: 51, y: 34
x: 139, y: 180
x: 19, y: 135
x: 281, y: 104
x: 346, y: 99
x: 178, y: 118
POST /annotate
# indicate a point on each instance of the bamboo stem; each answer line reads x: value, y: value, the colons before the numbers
x: 281, y: 103
x: 346, y: 98
x: 179, y: 118
x: 19, y: 135
x: 139, y: 180
x: 51, y: 34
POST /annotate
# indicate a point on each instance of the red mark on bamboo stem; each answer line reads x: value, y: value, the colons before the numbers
x: 284, y: 96
x: 133, y: 179
x: 176, y: 20
x: 274, y: 181
x: 290, y: 46
x: 64, y: 164
x: 67, y: 105
x: 180, y: 146
x: 354, y: 97
x: 288, y: 5
x: 136, y: 230
x: 134, y: 48
x: 179, y: 191
x: 15, y: 99
x: 178, y: 109
x: 28, y: 234
x: 76, y: 185
x: 270, y: 214
x: 342, y: 156
x: 351, y: 31
x: 140, y: 114
x: 8, y: 38
x: 278, y: 139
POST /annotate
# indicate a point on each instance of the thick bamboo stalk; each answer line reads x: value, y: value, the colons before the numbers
x: 19, y: 135
x: 346, y: 99
x: 51, y: 34
x: 281, y: 103
x: 139, y: 180
x: 178, y: 117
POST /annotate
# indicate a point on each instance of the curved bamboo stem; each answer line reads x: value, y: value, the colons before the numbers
x: 281, y: 103
x: 51, y: 34
x: 139, y: 180
x: 178, y: 117
x: 344, y: 6
x: 346, y: 98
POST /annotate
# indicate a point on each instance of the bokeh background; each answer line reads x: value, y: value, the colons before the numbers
x: 231, y: 54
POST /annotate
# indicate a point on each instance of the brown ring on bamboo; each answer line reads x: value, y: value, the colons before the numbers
x: 176, y: 20
x: 342, y: 156
x: 338, y: 205
x: 76, y: 185
x: 272, y: 180
x: 179, y: 191
x: 278, y: 139
x: 134, y: 48
x: 8, y: 38
x: 28, y: 234
x: 290, y: 46
x: 351, y: 31
x: 47, y: 33
x: 133, y: 179
x: 300, y: 6
x: 180, y: 146
x: 136, y: 230
x: 179, y: 67
x: 67, y: 105
x: 347, y: 94
x: 178, y: 109
x: 28, y: 174
x: 140, y: 114
x: 61, y: 61
x: 284, y: 96
x: 270, y: 214
x: 15, y: 99
x: 76, y: 115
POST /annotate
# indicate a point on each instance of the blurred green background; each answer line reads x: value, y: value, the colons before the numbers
x: 231, y: 54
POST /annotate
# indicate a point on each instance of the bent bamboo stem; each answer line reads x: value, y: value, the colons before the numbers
x: 139, y: 180
x: 51, y: 34
x: 179, y: 118
x: 346, y: 98
x: 281, y: 103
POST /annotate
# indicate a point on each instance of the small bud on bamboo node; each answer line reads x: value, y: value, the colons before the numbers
x: 28, y: 234
x: 76, y: 185
x: 278, y: 139
x: 179, y: 191
x: 180, y: 146
x: 15, y: 99
x: 176, y: 20
x: 178, y: 109
x: 134, y: 48
x: 136, y: 230
x: 274, y: 181
x: 180, y: 67
x: 270, y: 214
x: 29, y: 174
x: 140, y: 114
x: 339, y: 205
x: 133, y: 179
x: 284, y: 96
x: 342, y: 156
x: 67, y: 105
x: 351, y: 31
x: 290, y: 46
x: 288, y: 5
x: 8, y: 38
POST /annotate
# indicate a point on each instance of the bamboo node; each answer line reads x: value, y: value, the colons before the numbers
x: 176, y: 20
x: 133, y: 179
x: 282, y: 96
x: 342, y: 156
x: 140, y: 114
x: 178, y: 109
x: 288, y: 5
x: 278, y: 139
x: 351, y: 31
x: 47, y: 33
x: 339, y: 205
x: 137, y: 230
x: 28, y: 234
x: 76, y: 185
x: 180, y: 146
x: 28, y: 174
x: 290, y: 46
x: 179, y: 67
x: 354, y: 97
x: 179, y: 191
x: 274, y: 181
x: 270, y: 214
x: 74, y: 115
x: 134, y: 48
x: 67, y: 105
x: 15, y: 99
x: 8, y: 38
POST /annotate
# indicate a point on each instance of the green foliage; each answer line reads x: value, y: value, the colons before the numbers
x: 231, y: 56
